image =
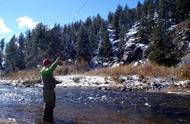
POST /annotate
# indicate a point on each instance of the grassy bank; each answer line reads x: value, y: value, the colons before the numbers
x: 32, y: 74
x: 146, y: 70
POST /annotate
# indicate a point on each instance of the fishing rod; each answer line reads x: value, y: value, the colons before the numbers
x: 83, y: 5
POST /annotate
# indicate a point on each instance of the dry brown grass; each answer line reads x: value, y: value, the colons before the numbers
x: 121, y: 70
x: 150, y: 70
x: 154, y: 70
x: 26, y: 74
x: 184, y: 72
x: 147, y: 70
x: 67, y: 68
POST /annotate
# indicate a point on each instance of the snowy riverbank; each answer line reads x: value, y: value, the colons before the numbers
x: 122, y: 83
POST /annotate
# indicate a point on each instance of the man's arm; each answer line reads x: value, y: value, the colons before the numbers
x: 54, y: 65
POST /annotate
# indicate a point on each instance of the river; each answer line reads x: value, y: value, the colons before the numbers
x: 95, y: 106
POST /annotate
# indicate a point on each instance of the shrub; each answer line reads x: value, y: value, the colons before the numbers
x: 184, y: 72
x: 33, y: 74
x: 79, y: 66
x: 149, y: 69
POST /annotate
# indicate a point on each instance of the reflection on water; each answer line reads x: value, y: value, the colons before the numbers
x: 93, y: 106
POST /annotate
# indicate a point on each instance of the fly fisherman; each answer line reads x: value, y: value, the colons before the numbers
x: 49, y: 83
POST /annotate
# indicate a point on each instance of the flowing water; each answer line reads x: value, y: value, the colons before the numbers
x: 94, y: 106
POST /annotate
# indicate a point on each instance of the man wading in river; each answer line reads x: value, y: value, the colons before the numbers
x: 48, y: 88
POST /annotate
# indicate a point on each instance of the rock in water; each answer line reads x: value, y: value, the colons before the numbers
x: 8, y: 121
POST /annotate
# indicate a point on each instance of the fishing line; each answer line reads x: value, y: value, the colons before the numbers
x: 83, y: 5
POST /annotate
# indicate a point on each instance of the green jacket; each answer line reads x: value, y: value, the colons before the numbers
x: 47, y: 76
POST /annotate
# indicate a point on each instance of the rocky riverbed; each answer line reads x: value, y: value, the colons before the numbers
x: 122, y: 83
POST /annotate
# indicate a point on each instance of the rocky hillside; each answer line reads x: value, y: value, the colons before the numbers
x: 181, y: 37
x: 134, y: 50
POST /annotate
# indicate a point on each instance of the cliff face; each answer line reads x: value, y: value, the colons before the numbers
x: 181, y: 37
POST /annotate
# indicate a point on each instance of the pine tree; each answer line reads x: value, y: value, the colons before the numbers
x: 116, y: 20
x: 2, y: 44
x: 122, y: 42
x: 91, y: 30
x: 143, y: 35
x: 183, y: 10
x: 28, y: 49
x: 11, y: 55
x: 68, y: 51
x: 172, y: 11
x: 122, y: 26
x: 131, y: 17
x: 144, y: 30
x: 83, y: 46
x: 39, y: 46
x: 156, y: 5
x: 163, y: 9
x: 162, y: 47
x: 55, y: 40
x: 139, y: 11
x: 126, y: 9
x: 93, y: 39
x: 97, y: 23
x: 88, y: 22
x: 110, y: 17
x: 150, y: 7
x: 21, y: 51
x: 70, y: 40
x: 105, y: 49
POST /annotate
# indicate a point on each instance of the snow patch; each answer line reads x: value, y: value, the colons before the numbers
x: 147, y: 104
x: 155, y: 15
x: 181, y: 84
x: 115, y: 65
x: 132, y: 31
x: 111, y: 30
x: 172, y: 27
x: 86, y: 81
x: 114, y: 42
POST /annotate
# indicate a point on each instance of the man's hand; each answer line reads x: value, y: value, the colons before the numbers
x: 57, y: 82
x: 59, y: 61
